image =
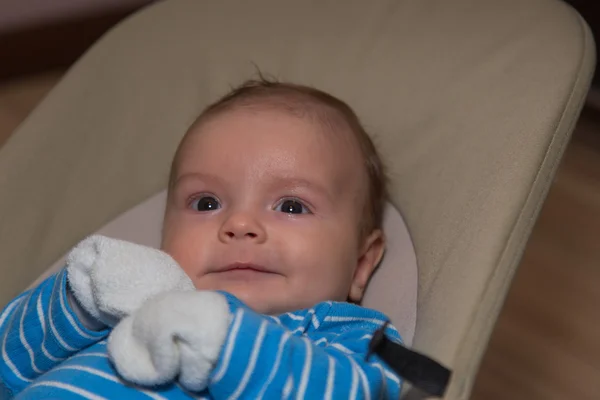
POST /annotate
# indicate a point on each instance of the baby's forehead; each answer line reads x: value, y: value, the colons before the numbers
x: 316, y: 129
x: 329, y: 126
x: 309, y: 142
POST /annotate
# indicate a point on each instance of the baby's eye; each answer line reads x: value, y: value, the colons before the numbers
x: 292, y: 206
x: 205, y: 203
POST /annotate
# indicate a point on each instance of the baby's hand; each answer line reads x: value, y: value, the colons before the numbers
x: 112, y: 278
x: 174, y: 335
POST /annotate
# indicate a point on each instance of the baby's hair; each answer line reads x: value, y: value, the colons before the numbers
x: 307, y: 102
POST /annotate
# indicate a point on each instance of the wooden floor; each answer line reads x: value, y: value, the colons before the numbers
x: 546, y: 344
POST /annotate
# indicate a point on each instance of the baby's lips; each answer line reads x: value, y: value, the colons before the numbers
x: 246, y: 265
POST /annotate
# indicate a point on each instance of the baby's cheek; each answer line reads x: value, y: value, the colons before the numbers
x: 329, y: 266
x: 183, y: 250
x: 343, y: 260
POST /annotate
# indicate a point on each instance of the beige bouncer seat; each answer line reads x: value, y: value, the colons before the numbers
x: 472, y: 103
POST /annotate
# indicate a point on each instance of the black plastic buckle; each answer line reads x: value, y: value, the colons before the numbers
x: 421, y: 371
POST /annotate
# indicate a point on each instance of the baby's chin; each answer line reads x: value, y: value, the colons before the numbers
x: 264, y: 301
x: 261, y: 299
x: 269, y: 295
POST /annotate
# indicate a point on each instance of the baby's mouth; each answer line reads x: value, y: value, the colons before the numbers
x: 245, y: 267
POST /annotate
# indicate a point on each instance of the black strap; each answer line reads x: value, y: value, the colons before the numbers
x: 423, y: 372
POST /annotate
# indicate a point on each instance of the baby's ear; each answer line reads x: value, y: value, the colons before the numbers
x: 369, y: 257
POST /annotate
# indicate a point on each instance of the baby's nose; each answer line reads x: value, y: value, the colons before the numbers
x: 233, y: 235
x: 242, y: 226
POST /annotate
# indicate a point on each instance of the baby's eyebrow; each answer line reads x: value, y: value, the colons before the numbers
x: 288, y: 183
x: 199, y: 176
x: 296, y: 182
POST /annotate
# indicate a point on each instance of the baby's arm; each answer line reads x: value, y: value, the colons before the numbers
x: 107, y: 279
x: 203, y: 342
x: 262, y: 359
x: 38, y: 330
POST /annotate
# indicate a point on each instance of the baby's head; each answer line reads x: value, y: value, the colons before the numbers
x: 276, y: 196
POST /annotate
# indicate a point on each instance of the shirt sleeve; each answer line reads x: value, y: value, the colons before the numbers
x: 38, y: 330
x: 324, y: 356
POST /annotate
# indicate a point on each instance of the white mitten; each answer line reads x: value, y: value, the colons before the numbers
x: 111, y: 278
x: 174, y: 335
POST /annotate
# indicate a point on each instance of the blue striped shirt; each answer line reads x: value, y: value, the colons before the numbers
x: 314, y: 353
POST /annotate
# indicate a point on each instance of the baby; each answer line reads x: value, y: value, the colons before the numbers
x: 274, y: 215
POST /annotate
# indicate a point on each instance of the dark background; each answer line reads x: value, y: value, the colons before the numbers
x: 590, y: 11
x: 56, y: 45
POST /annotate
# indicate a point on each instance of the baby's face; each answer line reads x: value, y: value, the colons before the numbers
x: 267, y: 207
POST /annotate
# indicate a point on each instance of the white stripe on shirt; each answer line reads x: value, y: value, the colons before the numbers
x: 70, y: 388
x: 295, y: 317
x: 67, y: 314
x: 104, y: 375
x: 342, y: 348
x: 96, y: 354
x: 305, y: 370
x: 55, y: 332
x: 89, y: 370
x: 252, y: 362
x: 229, y: 349
x: 333, y: 318
x: 330, y: 378
x: 388, y: 373
x: 313, y: 318
x: 287, y: 389
x: 7, y: 360
x: 8, y: 310
x: 275, y: 368
x: 354, y: 386
x: 40, y: 314
x: 24, y: 339
x: 43, y: 324
x: 383, y: 379
x: 47, y: 353
x: 363, y: 379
